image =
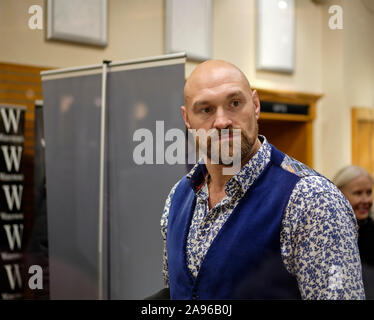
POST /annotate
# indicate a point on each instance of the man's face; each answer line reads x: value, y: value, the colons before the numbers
x: 220, y: 98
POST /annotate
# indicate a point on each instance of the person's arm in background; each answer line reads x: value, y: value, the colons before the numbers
x: 319, y: 242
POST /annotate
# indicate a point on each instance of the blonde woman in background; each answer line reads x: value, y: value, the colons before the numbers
x: 357, y: 185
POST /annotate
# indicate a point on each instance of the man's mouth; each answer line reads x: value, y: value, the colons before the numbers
x: 226, y: 137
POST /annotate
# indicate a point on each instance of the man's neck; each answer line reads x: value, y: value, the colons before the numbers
x: 217, y: 181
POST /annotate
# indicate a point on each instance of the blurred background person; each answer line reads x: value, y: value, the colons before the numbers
x: 357, y: 185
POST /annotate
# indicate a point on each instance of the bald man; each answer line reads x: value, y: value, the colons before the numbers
x: 275, y: 229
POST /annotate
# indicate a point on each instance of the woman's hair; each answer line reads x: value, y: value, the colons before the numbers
x: 348, y: 173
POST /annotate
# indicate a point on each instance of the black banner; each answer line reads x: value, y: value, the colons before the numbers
x: 12, y: 123
x: 287, y: 108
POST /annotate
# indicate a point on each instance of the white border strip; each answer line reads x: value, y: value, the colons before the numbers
x: 72, y: 72
x: 101, y: 183
x: 155, y: 61
x: 147, y: 64
x: 66, y: 70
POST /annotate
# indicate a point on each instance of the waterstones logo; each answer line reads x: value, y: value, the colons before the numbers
x: 11, y: 204
x: 13, y: 275
x: 11, y: 119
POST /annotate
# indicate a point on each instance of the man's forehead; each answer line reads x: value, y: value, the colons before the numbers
x: 206, y: 74
x: 215, y: 77
x: 223, y: 91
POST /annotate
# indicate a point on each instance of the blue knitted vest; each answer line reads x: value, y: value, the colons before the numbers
x: 244, y: 260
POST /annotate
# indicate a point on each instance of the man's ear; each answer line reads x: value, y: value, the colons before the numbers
x: 256, y: 103
x: 185, y: 117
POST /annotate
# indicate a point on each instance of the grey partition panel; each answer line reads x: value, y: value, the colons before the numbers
x: 137, y: 193
x: 72, y: 128
x: 138, y: 95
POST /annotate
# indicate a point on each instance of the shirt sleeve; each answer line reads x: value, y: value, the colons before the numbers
x: 164, y: 227
x: 319, y: 242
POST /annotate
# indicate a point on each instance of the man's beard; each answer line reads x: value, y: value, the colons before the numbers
x: 246, y: 145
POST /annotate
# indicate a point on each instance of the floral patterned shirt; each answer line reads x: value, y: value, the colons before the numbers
x: 318, y: 238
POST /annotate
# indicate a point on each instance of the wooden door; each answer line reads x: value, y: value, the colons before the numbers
x: 363, y: 138
x: 290, y: 133
x: 290, y: 137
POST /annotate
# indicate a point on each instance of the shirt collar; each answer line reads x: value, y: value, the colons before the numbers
x: 240, y: 181
x: 197, y: 175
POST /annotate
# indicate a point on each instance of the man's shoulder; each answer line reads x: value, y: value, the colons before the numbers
x: 316, y: 201
x: 298, y: 168
x: 182, y: 182
x: 165, y: 214
x: 311, y: 182
x: 315, y: 197
x: 172, y: 190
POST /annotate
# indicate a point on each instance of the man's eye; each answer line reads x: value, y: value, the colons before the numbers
x: 235, y: 103
x: 205, y: 110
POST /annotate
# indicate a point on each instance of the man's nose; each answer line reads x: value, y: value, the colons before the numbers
x: 222, y: 120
